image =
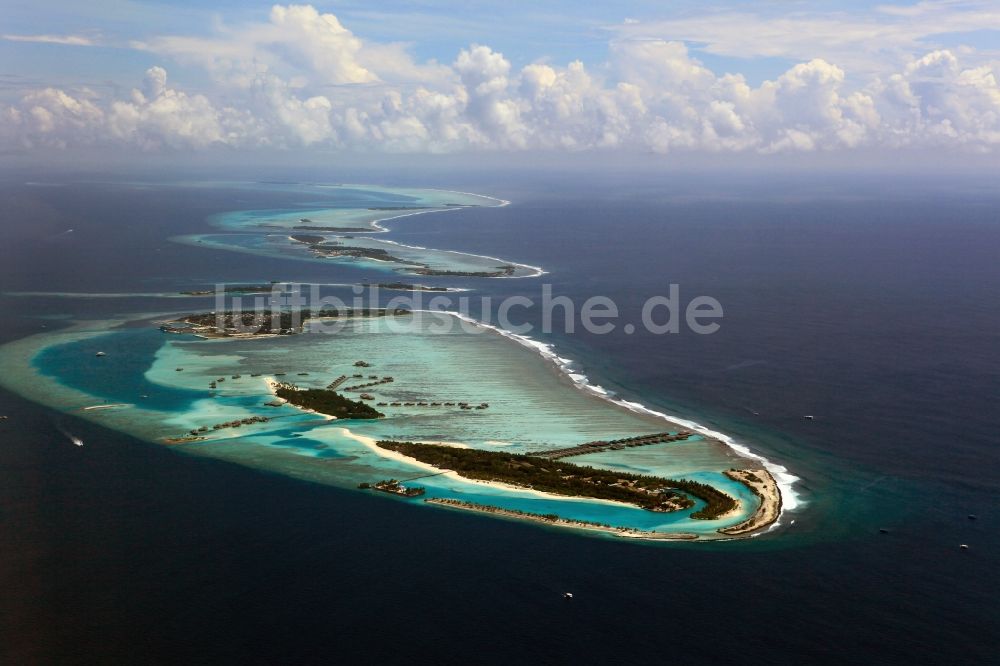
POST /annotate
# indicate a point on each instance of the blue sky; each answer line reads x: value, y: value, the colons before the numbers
x: 865, y: 82
x: 557, y: 30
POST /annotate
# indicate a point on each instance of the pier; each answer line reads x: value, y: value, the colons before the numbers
x: 336, y: 382
x: 377, y: 382
x: 614, y: 445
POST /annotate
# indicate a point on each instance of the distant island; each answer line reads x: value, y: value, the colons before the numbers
x: 318, y: 228
x: 235, y: 289
x: 404, y: 286
x: 250, y: 324
x: 324, y: 247
x: 366, y: 403
x: 505, y: 270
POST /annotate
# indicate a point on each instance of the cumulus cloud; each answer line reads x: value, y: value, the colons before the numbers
x: 154, y: 117
x: 298, y: 42
x: 304, y: 79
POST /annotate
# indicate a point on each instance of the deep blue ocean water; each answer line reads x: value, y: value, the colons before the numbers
x: 873, y: 305
x: 76, y: 364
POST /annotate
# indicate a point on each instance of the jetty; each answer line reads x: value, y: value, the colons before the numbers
x: 554, y: 519
x: 394, y: 487
x: 376, y: 382
x: 336, y: 382
x: 613, y: 445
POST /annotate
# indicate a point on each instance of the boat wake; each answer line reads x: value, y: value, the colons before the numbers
x: 70, y: 436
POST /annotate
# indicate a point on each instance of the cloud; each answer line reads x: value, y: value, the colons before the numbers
x: 68, y: 40
x: 303, y: 79
x: 865, y: 42
x: 296, y: 40
x: 154, y: 118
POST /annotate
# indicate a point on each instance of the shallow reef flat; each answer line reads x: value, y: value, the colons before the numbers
x: 370, y: 253
x: 337, y: 223
x: 436, y: 379
x: 358, y: 208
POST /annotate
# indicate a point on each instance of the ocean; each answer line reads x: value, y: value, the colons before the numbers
x: 871, y: 305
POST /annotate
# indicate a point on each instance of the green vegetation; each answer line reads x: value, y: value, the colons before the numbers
x: 310, y: 227
x: 234, y: 289
x: 307, y: 238
x: 502, y: 271
x: 328, y: 402
x: 405, y: 286
x: 747, y: 475
x: 562, y: 478
x: 224, y: 324
x: 394, y: 487
x: 331, y: 248
x: 716, y: 501
x: 334, y: 249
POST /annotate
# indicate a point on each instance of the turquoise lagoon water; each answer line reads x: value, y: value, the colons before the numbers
x: 413, y: 257
x: 350, y: 207
x: 432, y: 358
x: 358, y: 210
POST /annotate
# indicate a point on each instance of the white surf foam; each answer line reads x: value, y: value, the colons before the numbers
x: 790, y: 499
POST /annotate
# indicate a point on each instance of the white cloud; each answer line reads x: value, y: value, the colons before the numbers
x: 67, y: 40
x: 295, y: 39
x: 863, y: 42
x: 303, y: 79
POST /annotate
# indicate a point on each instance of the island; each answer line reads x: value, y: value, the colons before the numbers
x: 310, y: 239
x: 230, y: 323
x: 308, y: 224
x: 325, y: 401
x: 235, y: 289
x: 352, y: 401
x: 766, y: 488
x: 333, y: 249
x: 394, y: 487
x: 562, y: 478
x: 505, y: 270
x: 405, y: 286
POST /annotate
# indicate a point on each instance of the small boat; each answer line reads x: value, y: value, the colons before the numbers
x: 100, y: 354
x: 808, y: 417
x: 883, y: 531
x: 964, y: 546
x: 567, y: 595
x: 972, y: 516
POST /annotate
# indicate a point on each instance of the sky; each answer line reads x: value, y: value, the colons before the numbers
x: 681, y: 79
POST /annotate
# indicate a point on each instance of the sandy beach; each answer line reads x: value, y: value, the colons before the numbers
x: 766, y: 488
x: 399, y: 457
